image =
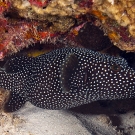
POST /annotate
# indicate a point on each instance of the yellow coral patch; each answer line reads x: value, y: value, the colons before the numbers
x: 75, y: 32
x: 99, y: 15
x: 113, y: 36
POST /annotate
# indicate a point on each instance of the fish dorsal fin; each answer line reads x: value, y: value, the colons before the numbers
x: 67, y: 69
x: 16, y: 64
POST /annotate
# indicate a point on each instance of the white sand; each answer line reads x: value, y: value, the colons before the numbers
x: 31, y: 120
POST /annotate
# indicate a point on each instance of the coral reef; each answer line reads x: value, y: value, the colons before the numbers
x: 91, y: 37
x: 27, y: 22
x: 118, y: 21
x: 23, y: 23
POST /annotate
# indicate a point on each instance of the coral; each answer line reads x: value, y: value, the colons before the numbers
x: 118, y: 22
x: 55, y: 7
x: 23, y: 23
x: 4, y: 5
x: 95, y: 41
x: 39, y: 3
x: 17, y: 35
x: 27, y: 22
x: 3, y: 97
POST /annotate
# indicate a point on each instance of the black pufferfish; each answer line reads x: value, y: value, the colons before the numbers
x: 66, y: 78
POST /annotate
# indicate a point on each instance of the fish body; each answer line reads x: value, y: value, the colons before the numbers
x: 66, y: 78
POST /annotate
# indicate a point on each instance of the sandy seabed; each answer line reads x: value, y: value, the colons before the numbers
x: 31, y: 120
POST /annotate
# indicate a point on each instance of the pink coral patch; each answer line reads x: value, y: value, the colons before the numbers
x: 39, y: 3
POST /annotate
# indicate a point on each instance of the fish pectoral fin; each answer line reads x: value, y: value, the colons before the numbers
x: 15, y: 64
x: 14, y: 102
x: 67, y: 69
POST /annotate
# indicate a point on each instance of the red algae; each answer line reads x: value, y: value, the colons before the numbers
x: 4, y: 6
x: 39, y: 3
x: 23, y: 23
x: 86, y: 3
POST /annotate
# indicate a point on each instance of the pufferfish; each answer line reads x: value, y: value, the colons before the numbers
x: 66, y: 78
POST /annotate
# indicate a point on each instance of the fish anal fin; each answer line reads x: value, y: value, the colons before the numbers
x: 14, y: 102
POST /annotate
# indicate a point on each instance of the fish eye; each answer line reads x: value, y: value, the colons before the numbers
x: 115, y: 68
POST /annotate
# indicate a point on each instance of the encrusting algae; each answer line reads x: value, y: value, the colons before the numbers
x: 119, y: 22
x: 23, y: 23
